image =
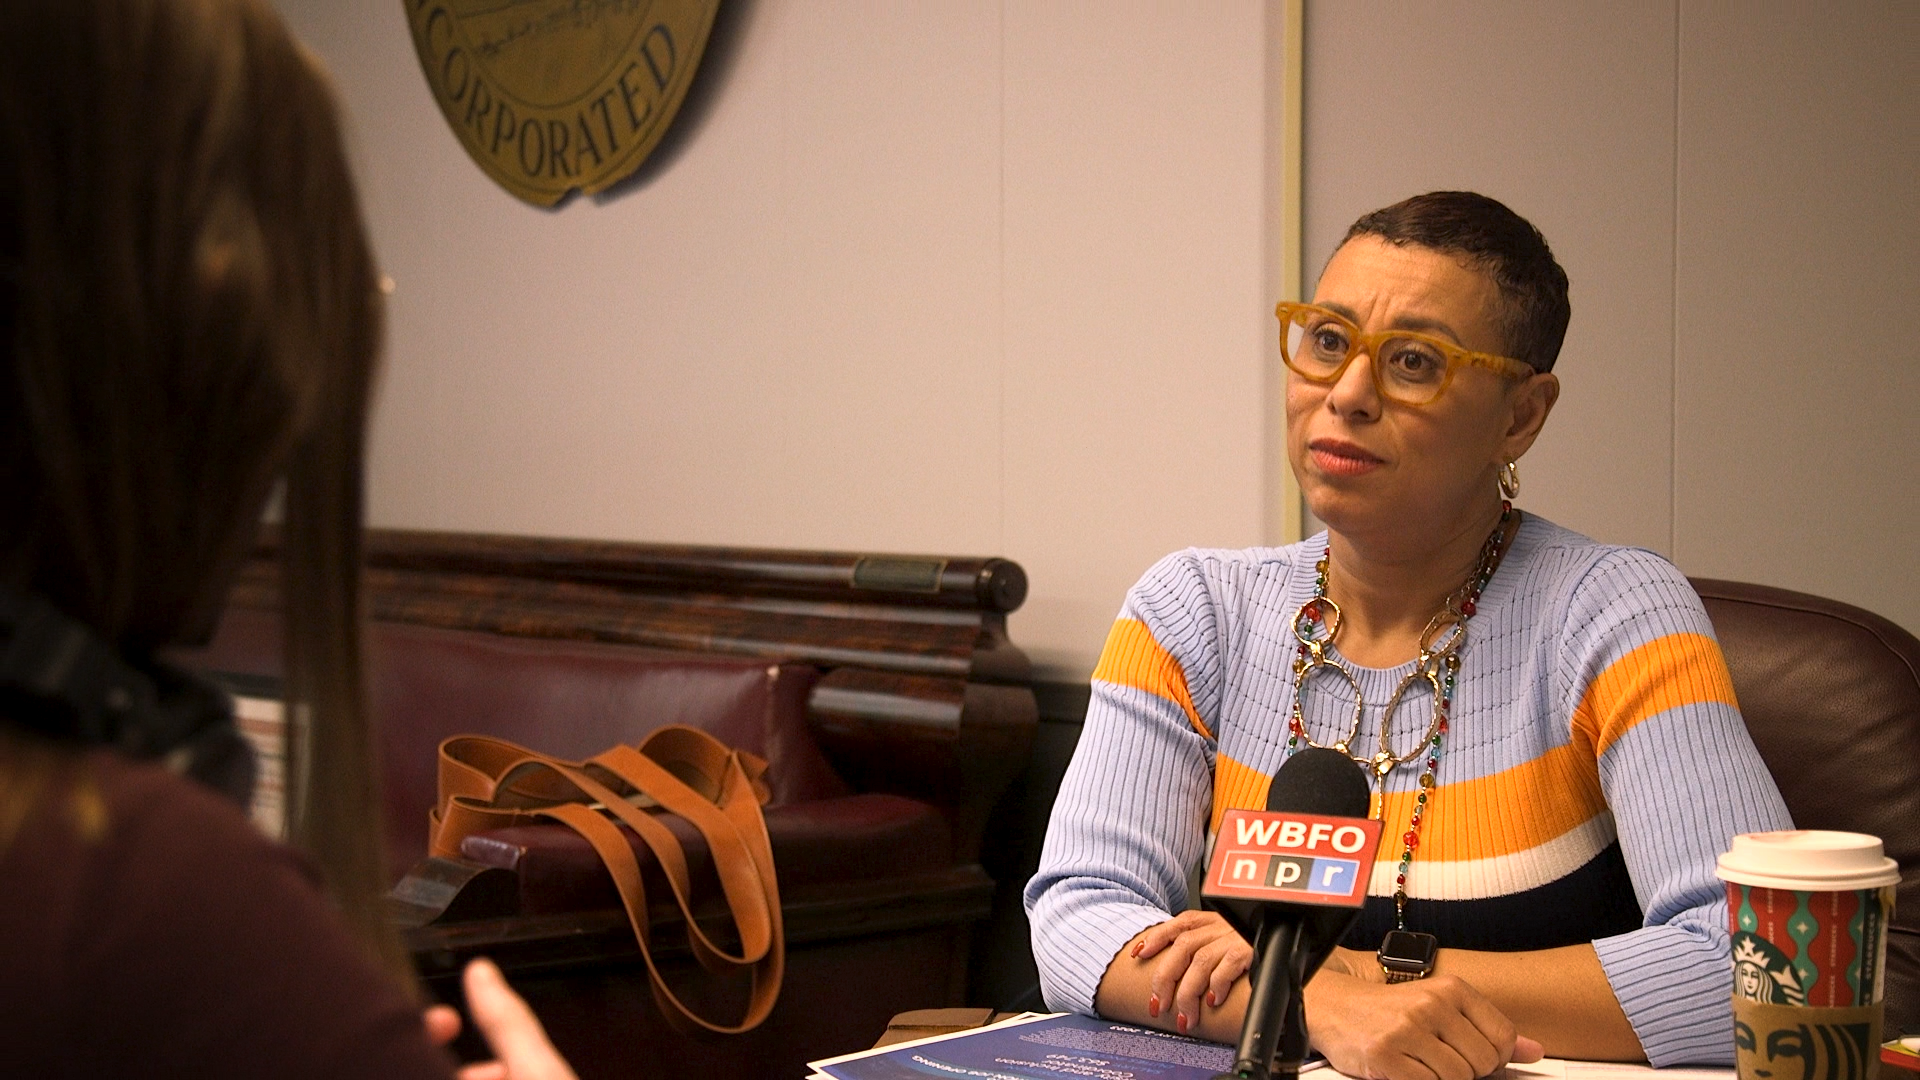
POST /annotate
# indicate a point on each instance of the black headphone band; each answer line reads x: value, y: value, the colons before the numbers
x: 72, y: 685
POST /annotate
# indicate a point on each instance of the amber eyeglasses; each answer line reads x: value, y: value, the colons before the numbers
x: 1408, y: 367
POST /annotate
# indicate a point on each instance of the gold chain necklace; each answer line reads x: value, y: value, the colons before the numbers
x: 1438, y: 663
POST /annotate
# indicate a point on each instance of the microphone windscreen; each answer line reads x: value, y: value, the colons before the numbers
x: 1320, y: 781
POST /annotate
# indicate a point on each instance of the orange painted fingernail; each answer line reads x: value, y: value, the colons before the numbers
x: 1153, y: 1005
x: 1137, y: 946
x: 1210, y: 999
x: 1180, y: 1022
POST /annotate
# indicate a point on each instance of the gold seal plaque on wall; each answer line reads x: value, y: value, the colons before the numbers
x: 550, y: 96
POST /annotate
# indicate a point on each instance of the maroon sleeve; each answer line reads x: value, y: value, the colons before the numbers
x: 190, y: 945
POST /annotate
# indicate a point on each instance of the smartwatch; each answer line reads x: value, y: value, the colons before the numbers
x: 1406, y: 955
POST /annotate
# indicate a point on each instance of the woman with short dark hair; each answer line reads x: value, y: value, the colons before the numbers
x: 1547, y: 723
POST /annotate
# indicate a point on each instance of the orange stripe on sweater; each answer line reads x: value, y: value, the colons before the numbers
x: 1133, y: 658
x: 1663, y: 674
x: 1503, y: 814
x: 1236, y: 787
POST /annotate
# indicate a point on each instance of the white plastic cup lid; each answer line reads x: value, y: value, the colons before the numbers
x: 1810, y: 860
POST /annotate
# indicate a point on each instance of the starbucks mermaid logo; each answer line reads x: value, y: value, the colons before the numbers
x: 1761, y: 972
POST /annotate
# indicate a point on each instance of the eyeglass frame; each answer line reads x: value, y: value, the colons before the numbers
x: 1369, y: 342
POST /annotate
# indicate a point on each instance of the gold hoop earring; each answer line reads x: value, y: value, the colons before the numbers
x: 1510, y: 482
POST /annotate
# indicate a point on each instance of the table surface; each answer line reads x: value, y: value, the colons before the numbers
x: 925, y: 1023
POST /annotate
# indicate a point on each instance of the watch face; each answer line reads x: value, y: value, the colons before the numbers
x: 1409, y: 949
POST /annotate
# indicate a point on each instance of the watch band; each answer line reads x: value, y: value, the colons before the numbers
x: 1396, y: 976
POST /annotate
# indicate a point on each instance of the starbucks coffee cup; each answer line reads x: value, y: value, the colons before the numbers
x: 1808, y: 911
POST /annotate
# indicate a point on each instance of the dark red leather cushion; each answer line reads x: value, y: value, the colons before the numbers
x: 827, y: 842
x: 1831, y: 695
x: 571, y: 699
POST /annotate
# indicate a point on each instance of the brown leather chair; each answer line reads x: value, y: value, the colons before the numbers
x: 1831, y: 694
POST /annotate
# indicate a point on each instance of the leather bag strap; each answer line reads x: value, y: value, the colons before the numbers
x: 488, y: 783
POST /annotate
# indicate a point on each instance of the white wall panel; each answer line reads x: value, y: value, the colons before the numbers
x: 790, y: 329
x: 925, y: 278
x: 1135, y: 317
x: 1799, y: 252
x: 1565, y: 113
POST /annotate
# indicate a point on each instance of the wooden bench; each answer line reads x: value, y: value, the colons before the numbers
x: 883, y: 689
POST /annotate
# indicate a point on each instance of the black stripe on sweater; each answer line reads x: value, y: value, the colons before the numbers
x: 1594, y: 901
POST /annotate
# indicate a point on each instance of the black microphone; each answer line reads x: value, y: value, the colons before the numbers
x: 1315, y: 868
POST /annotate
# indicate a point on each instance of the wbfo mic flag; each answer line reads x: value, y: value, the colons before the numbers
x: 1292, y: 858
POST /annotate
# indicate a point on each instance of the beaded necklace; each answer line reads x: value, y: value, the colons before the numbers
x: 1438, y: 664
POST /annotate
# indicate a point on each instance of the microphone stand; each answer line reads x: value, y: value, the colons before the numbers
x: 1274, y: 1012
x: 1292, y: 1052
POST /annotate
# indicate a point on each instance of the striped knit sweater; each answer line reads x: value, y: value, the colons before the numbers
x: 1596, y: 764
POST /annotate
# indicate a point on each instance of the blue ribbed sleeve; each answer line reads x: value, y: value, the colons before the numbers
x: 1681, y: 782
x: 1132, y: 810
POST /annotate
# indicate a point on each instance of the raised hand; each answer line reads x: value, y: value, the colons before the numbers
x: 520, y: 1045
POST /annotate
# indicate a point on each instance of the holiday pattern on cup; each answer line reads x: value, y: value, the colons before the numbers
x: 1808, y: 948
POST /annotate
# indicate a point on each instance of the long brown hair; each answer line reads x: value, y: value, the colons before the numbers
x: 189, y: 311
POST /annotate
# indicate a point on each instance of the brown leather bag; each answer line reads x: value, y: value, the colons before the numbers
x: 488, y: 783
